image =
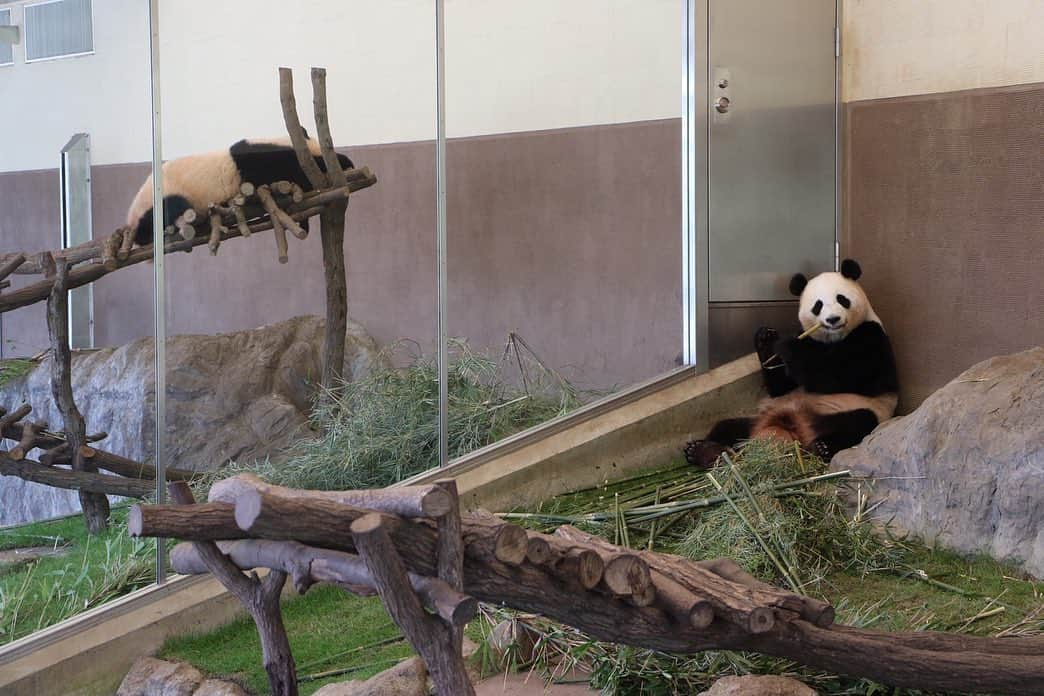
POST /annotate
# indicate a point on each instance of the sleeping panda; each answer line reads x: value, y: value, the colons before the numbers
x: 196, y: 181
x: 826, y: 392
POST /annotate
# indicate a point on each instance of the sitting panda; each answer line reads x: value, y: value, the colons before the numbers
x: 196, y: 181
x: 826, y: 392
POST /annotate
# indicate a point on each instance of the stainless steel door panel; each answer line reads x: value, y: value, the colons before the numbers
x: 771, y: 145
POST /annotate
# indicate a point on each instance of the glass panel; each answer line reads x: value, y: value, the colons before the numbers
x: 59, y: 28
x: 564, y: 206
x: 47, y: 107
x: 245, y: 348
x: 6, y: 49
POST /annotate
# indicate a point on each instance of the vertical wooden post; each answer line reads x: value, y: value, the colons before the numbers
x: 261, y: 599
x: 95, y: 505
x: 332, y: 219
x: 331, y: 225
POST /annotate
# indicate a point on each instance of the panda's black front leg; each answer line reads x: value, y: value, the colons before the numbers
x: 838, y: 431
x: 773, y: 370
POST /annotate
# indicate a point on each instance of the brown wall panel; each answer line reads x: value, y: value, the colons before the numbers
x: 571, y: 237
x: 944, y: 198
x: 30, y: 221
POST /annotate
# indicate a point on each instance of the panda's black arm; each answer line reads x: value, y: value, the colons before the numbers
x: 863, y: 363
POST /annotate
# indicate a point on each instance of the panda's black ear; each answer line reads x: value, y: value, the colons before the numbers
x: 797, y: 284
x: 850, y: 269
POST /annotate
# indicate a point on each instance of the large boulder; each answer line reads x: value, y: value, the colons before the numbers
x: 966, y: 469
x: 150, y: 676
x: 234, y: 396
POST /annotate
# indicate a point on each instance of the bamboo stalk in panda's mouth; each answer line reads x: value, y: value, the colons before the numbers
x: 805, y: 334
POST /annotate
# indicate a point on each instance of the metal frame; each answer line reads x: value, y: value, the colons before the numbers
x: 695, y: 240
x: 695, y: 175
x: 64, y: 55
x: 9, y: 28
x: 159, y: 282
x: 838, y: 132
x: 66, y: 214
x: 440, y: 228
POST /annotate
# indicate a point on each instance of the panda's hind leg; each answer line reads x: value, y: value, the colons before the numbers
x: 838, y: 431
x: 774, y: 374
x: 724, y: 434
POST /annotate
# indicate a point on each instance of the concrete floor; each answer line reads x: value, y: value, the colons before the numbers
x: 530, y: 684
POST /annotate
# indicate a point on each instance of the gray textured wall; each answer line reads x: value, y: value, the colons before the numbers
x: 945, y: 210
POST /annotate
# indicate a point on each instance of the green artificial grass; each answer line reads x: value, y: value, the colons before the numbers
x: 14, y: 368
x: 89, y: 572
x: 329, y: 630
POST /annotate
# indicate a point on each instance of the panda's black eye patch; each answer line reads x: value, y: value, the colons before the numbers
x: 844, y: 301
x: 817, y: 307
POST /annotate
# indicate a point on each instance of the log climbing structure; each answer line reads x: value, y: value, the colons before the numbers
x: 70, y: 457
x: 430, y: 564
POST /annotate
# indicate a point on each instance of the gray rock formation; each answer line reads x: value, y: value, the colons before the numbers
x: 232, y: 396
x: 153, y: 677
x: 754, y: 685
x: 966, y: 469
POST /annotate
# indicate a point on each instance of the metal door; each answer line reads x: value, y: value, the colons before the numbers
x: 771, y: 145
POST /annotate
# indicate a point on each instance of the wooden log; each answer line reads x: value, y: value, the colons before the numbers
x: 99, y: 484
x: 277, y: 213
x: 127, y: 244
x: 241, y: 222
x: 432, y: 640
x: 297, y: 134
x: 334, y: 173
x: 10, y: 419
x: 680, y: 603
x: 95, y: 506
x: 296, y: 193
x: 110, y: 251
x: 57, y: 455
x: 579, y: 565
x: 404, y: 501
x: 27, y: 441
x: 264, y: 514
x: 331, y: 229
x: 815, y: 610
x: 307, y: 565
x: 247, y: 189
x: 450, y: 549
x: 626, y: 575
x: 217, y: 231
x: 538, y: 550
x: 131, y: 468
x: 10, y: 264
x: 748, y: 608
x: 48, y: 264
x: 199, y: 522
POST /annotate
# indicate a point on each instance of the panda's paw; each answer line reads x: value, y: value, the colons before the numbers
x: 821, y: 449
x: 765, y: 342
x: 702, y: 453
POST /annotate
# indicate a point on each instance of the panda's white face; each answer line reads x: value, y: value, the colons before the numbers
x: 836, y: 303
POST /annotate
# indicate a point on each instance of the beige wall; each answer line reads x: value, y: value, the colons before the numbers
x: 511, y: 66
x: 902, y: 47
